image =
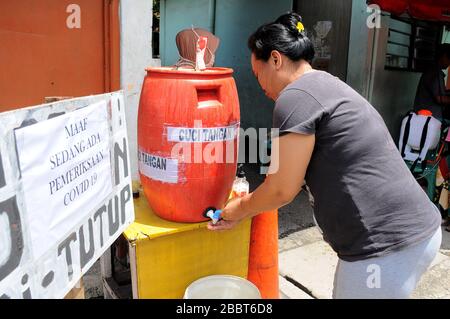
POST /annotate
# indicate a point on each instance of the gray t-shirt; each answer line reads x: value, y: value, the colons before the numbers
x: 366, y: 201
x: 431, y: 85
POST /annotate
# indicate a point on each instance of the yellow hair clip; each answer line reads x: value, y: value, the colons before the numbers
x: 300, y: 27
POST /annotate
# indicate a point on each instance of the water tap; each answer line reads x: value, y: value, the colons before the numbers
x: 214, y: 214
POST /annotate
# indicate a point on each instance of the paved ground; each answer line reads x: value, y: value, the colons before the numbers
x: 307, y: 266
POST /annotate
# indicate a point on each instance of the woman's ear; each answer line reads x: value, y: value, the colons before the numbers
x: 276, y: 59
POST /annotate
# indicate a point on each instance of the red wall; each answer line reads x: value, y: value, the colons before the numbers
x: 40, y: 56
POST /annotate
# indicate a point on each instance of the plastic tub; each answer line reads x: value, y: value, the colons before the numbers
x: 222, y: 287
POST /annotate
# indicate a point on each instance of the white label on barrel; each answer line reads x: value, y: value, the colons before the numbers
x: 202, y: 134
x: 158, y: 168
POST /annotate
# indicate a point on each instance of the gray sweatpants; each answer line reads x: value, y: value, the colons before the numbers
x: 393, y: 276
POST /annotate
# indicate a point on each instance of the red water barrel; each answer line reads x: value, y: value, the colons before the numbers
x: 188, y: 124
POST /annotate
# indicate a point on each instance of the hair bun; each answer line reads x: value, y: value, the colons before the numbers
x: 286, y: 35
x: 293, y: 22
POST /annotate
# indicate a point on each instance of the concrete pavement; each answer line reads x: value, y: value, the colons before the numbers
x: 307, y: 265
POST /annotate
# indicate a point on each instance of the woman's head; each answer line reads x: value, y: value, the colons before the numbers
x: 279, y: 49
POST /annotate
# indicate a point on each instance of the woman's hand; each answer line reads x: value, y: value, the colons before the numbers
x: 222, y: 225
x: 231, y: 215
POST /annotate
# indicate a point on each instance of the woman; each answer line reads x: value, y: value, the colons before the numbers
x: 370, y: 208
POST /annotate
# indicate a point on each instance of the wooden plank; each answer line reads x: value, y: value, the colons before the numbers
x: 106, y: 269
x: 77, y: 292
x: 133, y: 269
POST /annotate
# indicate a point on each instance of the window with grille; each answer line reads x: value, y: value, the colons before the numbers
x: 412, y: 44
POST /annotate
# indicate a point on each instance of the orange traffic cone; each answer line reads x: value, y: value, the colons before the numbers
x: 263, y: 255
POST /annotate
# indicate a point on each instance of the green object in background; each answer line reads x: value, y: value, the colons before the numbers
x: 427, y: 176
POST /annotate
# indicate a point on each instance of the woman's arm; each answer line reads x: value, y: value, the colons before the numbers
x: 290, y: 158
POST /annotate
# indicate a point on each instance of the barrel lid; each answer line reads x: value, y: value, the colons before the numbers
x: 208, y: 71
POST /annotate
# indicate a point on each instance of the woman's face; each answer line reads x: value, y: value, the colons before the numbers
x: 266, y: 74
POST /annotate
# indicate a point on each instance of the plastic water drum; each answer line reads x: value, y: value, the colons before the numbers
x: 188, y: 124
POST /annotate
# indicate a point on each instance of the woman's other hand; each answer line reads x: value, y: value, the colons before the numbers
x: 222, y: 225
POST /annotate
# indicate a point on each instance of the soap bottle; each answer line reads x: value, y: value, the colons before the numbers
x: 241, y: 187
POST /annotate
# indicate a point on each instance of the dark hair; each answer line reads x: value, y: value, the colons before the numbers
x: 282, y: 35
x: 443, y: 49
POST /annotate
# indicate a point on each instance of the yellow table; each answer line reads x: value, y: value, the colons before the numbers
x: 165, y: 257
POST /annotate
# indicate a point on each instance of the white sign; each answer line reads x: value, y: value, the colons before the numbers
x: 202, y: 135
x: 65, y: 192
x: 158, y: 168
x: 67, y: 178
